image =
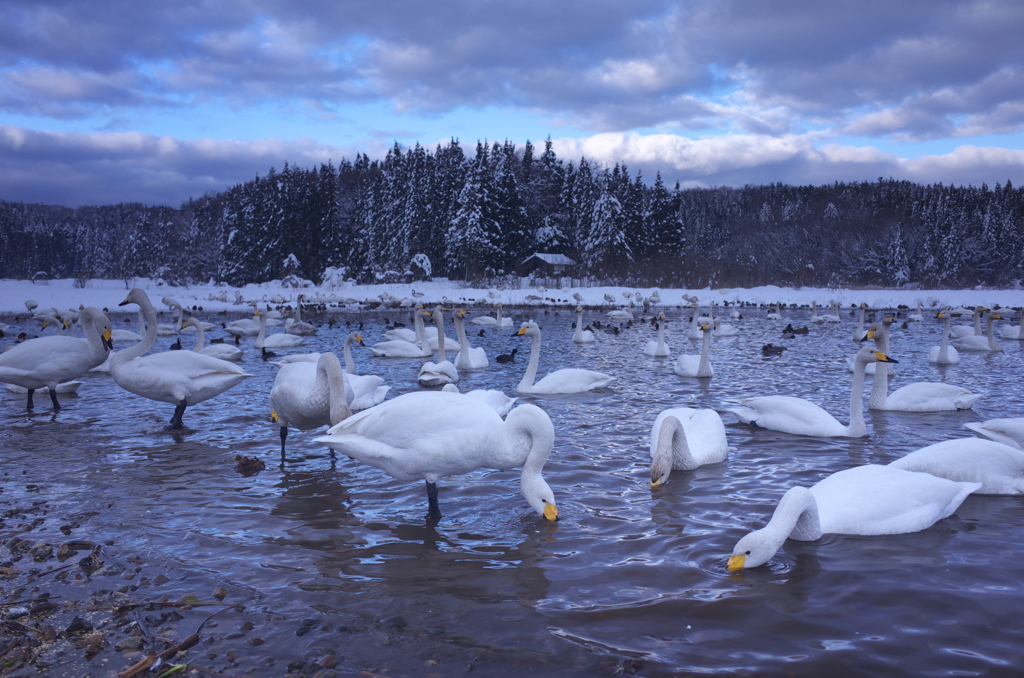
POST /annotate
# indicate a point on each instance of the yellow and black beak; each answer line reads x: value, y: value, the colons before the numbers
x: 736, y: 562
x: 882, y: 358
x: 108, y: 339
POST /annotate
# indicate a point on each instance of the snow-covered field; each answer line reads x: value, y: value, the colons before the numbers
x: 62, y: 294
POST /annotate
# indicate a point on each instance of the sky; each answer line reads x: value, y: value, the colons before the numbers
x: 129, y: 101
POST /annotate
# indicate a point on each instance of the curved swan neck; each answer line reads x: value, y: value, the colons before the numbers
x: 200, y: 337
x: 797, y: 515
x: 330, y: 375
x: 671, y: 442
x: 148, y: 337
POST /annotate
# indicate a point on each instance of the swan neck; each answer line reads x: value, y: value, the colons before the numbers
x: 671, y: 443
x: 531, y: 368
x: 797, y: 516
x: 200, y: 338
x: 439, y: 320
x: 148, y: 337
x: 857, y: 427
x: 705, y: 352
x: 329, y: 370
x: 350, y: 364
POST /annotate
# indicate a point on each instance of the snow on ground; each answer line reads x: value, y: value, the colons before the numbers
x: 62, y: 294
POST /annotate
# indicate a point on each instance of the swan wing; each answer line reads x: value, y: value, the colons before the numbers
x: 873, y: 500
x: 998, y: 467
x: 931, y: 397
x: 1008, y: 431
x: 46, y: 360
x: 788, y: 414
x: 571, y: 380
x: 396, y: 348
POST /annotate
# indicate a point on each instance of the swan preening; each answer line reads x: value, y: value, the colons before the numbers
x: 683, y: 439
x: 308, y: 395
x: 802, y: 417
x: 48, y: 362
x: 568, y: 380
x: 431, y: 435
x: 865, y: 500
x: 181, y: 378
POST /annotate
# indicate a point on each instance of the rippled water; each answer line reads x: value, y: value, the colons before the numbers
x: 626, y: 573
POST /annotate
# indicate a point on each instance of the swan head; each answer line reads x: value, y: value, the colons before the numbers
x: 752, y: 550
x: 528, y: 329
x: 136, y: 296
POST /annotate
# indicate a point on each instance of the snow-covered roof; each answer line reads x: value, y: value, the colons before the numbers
x: 553, y: 259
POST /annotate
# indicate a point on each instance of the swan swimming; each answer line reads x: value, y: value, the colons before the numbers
x: 403, y: 348
x: 443, y: 371
x: 683, y: 439
x: 308, y: 395
x: 568, y: 380
x: 866, y: 500
x: 688, y: 365
x: 281, y: 340
x: 431, y: 435
x: 48, y: 362
x: 922, y: 396
x: 222, y: 351
x: 980, y: 343
x: 181, y: 378
x: 944, y: 354
x: 802, y: 417
x: 582, y: 336
x: 469, y: 357
x: 657, y: 347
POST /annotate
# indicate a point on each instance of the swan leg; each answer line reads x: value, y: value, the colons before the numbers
x: 53, y: 399
x: 284, y: 435
x: 433, y: 510
x: 179, y: 412
x: 29, y: 405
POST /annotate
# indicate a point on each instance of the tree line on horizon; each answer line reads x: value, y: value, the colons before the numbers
x: 477, y: 217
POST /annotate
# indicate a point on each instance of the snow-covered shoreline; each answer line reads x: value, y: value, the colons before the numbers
x: 62, y: 294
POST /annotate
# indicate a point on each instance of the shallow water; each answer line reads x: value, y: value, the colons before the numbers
x: 626, y: 573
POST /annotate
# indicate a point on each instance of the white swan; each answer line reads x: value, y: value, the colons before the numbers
x: 582, y: 336
x: 308, y: 395
x: 222, y: 351
x: 998, y: 467
x: 802, y: 417
x: 181, y: 378
x: 694, y: 332
x: 431, y: 435
x: 469, y: 357
x: 401, y: 348
x: 944, y: 354
x: 960, y: 331
x: 657, y: 347
x: 122, y: 335
x: 980, y: 343
x: 774, y: 314
x: 568, y: 380
x: 168, y: 330
x: 494, y: 398
x: 1013, y: 331
x: 281, y: 340
x: 621, y: 315
x: 498, y: 321
x: 295, y: 324
x: 866, y: 500
x: 683, y: 438
x: 918, y: 315
x: 815, y: 318
x: 832, y: 317
x: 48, y: 362
x: 688, y: 365
x: 361, y: 390
x: 923, y: 396
x: 443, y: 371
x: 1009, y: 431
x: 858, y: 334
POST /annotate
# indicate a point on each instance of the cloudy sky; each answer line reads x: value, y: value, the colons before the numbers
x: 130, y: 100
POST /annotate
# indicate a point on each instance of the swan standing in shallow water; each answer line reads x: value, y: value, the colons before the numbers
x: 697, y: 365
x: 48, y: 362
x: 443, y: 371
x: 866, y: 500
x: 308, y: 395
x: 683, y: 439
x: 430, y: 435
x: 568, y: 380
x: 469, y: 358
x: 802, y: 417
x: 980, y: 343
x: 657, y: 348
x: 582, y: 336
x: 1009, y: 431
x: 181, y: 378
x: 944, y: 354
x: 922, y: 396
x: 222, y: 351
x: 998, y: 467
